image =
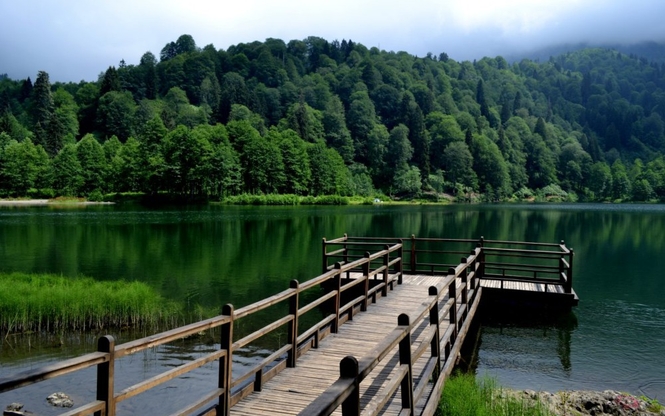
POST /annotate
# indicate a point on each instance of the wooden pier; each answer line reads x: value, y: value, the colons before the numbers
x: 378, y: 332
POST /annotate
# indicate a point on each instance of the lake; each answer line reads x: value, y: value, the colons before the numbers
x: 212, y: 255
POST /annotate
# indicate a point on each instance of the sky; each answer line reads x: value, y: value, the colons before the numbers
x: 76, y: 40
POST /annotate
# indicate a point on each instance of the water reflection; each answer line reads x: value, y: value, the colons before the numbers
x: 215, y: 255
x: 522, y: 340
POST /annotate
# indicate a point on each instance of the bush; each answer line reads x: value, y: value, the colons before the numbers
x: 552, y: 192
x: 96, y: 196
x: 325, y: 200
x: 524, y: 194
x: 44, y: 193
x: 285, y: 199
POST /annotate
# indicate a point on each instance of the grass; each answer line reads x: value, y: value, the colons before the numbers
x: 42, y: 302
x: 463, y: 395
x: 285, y: 199
x: 653, y: 405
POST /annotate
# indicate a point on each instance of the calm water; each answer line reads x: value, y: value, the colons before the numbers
x: 217, y: 254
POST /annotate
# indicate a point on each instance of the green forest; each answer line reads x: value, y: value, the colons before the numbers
x: 313, y: 117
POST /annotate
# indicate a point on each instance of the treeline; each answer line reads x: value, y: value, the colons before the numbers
x: 314, y: 117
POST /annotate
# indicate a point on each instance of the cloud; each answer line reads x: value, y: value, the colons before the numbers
x: 75, y: 40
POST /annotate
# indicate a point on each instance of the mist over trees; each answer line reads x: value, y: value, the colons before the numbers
x: 314, y: 117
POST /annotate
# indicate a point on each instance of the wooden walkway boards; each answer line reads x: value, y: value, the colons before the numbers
x: 386, y: 341
x: 522, y: 286
x: 294, y: 388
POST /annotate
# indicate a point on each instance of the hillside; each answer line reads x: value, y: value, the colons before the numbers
x: 312, y: 117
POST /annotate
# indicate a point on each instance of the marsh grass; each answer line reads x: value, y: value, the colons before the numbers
x: 463, y: 395
x: 41, y: 302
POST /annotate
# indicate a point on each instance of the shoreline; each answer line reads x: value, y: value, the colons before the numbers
x: 586, y: 402
x: 44, y: 202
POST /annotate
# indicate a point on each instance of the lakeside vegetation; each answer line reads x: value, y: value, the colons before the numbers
x: 464, y: 395
x: 315, y: 117
x: 50, y: 303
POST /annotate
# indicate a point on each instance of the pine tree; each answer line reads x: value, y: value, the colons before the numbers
x: 42, y: 107
x: 110, y: 82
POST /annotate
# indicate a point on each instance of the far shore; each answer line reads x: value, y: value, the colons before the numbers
x: 39, y: 202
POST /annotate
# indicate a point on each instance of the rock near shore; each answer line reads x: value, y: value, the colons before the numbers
x: 60, y: 400
x: 593, y: 403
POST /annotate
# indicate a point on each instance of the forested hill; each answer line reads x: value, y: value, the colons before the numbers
x: 316, y: 117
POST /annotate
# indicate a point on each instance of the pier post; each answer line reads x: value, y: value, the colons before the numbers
x: 476, y: 266
x: 569, y: 285
x: 465, y: 281
x: 324, y: 257
x: 400, y: 265
x: 338, y: 297
x: 434, y: 320
x: 481, y: 245
x: 348, y: 368
x: 225, y: 374
x: 413, y: 254
x: 363, y: 305
x: 452, y: 294
x: 105, y: 375
x: 405, y: 359
x: 386, y: 260
x: 293, y: 325
x: 346, y: 255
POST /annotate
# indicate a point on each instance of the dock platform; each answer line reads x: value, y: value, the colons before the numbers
x: 390, y: 317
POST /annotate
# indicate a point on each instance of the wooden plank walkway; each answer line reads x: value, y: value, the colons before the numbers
x: 523, y: 286
x: 388, y: 368
x: 294, y: 388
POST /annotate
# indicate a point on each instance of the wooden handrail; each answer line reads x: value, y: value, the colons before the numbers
x: 138, y: 388
x: 521, y: 251
x: 525, y: 243
x: 344, y: 391
x: 453, y: 299
x: 29, y: 377
x: 156, y: 340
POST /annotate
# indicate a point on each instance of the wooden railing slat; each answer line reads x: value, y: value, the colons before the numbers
x: 52, y: 370
x: 139, y: 388
x: 86, y: 409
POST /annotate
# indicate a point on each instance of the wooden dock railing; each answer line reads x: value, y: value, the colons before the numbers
x: 534, y: 262
x: 356, y: 272
x: 337, y: 306
x: 454, y: 300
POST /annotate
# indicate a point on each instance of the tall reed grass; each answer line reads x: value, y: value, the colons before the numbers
x: 41, y: 302
x: 464, y: 395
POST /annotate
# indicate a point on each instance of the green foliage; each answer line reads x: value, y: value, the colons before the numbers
x: 552, y: 193
x: 23, y: 166
x: 32, y: 302
x: 96, y: 196
x: 566, y: 121
x: 67, y: 172
x: 92, y: 159
x: 653, y: 405
x: 463, y: 395
x: 115, y: 113
x: 325, y: 200
x: 285, y: 199
x: 408, y: 181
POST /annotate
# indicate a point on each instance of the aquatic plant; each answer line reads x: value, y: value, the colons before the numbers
x: 42, y: 302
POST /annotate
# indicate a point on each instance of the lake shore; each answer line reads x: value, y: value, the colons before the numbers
x: 42, y: 202
x: 597, y: 403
